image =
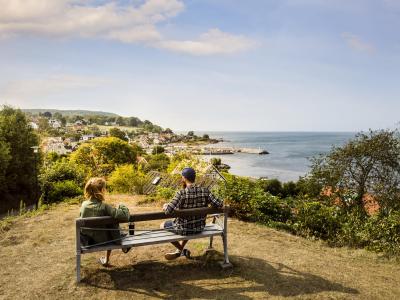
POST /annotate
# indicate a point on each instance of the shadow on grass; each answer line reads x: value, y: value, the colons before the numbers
x: 202, y: 277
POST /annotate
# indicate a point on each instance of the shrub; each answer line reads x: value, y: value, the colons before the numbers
x: 101, y: 155
x: 60, y: 180
x: 316, y: 219
x: 158, y: 150
x: 126, y: 179
x: 270, y: 208
x: 272, y: 186
x: 157, y: 162
x: 165, y: 193
x: 290, y: 189
x: 239, y: 192
x: 61, y: 190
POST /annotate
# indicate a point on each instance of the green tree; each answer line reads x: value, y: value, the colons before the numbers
x: 20, y: 167
x: 158, y: 162
x: 126, y: 179
x: 190, y: 133
x: 118, y: 133
x: 5, y: 158
x: 158, y: 150
x: 367, y: 165
x: 101, y: 155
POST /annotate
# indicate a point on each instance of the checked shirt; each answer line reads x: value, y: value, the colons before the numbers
x: 191, y: 197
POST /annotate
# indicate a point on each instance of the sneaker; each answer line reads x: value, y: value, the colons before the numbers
x: 186, y: 253
x: 172, y: 255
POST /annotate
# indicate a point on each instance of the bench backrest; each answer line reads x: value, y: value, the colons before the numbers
x: 96, y: 221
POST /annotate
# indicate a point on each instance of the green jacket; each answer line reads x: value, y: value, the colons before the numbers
x: 96, y: 208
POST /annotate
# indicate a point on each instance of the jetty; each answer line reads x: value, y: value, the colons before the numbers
x: 231, y: 150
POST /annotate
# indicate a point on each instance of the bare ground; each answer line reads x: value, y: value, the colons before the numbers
x: 37, y: 261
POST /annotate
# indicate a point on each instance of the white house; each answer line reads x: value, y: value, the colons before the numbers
x: 87, y: 137
x: 33, y: 125
x: 55, y: 123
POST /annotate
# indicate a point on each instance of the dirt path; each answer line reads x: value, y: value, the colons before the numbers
x: 37, y: 261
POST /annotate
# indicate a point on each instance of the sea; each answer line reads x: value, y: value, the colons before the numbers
x: 289, y: 152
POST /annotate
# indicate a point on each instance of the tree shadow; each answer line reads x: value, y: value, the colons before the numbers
x: 202, y: 277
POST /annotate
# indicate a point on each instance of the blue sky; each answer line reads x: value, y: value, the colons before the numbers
x: 282, y: 65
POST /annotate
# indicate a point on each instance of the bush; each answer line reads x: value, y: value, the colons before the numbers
x: 101, y: 155
x: 290, y: 189
x: 271, y: 208
x: 384, y: 234
x: 316, y: 219
x: 157, y: 162
x: 158, y: 150
x: 239, y: 192
x: 126, y: 179
x: 62, y: 190
x: 60, y: 180
x: 165, y: 193
x: 272, y: 186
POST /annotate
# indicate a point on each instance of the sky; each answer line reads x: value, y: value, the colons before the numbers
x: 209, y: 65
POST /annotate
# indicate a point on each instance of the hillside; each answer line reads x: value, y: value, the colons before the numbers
x: 38, y: 261
x: 69, y: 112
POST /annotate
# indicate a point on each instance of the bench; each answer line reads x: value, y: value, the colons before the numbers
x: 156, y: 236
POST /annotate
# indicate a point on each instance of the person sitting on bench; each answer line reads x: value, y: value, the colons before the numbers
x: 94, y: 206
x: 191, y: 196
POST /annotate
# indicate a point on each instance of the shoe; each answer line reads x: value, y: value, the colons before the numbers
x: 186, y: 253
x: 126, y: 250
x: 172, y: 255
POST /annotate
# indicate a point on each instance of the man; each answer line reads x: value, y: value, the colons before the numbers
x: 191, y: 196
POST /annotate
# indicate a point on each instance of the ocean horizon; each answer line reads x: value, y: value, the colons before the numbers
x: 289, y: 151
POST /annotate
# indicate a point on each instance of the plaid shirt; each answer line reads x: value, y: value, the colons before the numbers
x: 191, y: 197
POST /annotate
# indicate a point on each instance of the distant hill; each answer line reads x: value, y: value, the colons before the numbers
x: 70, y: 112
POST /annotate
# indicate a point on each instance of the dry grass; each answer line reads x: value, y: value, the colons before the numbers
x: 37, y: 260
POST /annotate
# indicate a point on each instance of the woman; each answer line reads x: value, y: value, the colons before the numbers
x: 94, y: 206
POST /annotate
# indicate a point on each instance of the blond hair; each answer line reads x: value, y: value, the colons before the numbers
x: 95, y: 188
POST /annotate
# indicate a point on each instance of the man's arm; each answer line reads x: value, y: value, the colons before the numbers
x: 173, y: 205
x: 214, y: 201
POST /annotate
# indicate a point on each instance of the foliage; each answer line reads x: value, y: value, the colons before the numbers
x: 317, y: 219
x: 158, y: 150
x: 126, y: 179
x: 118, y: 133
x: 60, y: 180
x: 272, y: 186
x: 157, y: 162
x: 101, y: 155
x: 368, y: 164
x: 18, y: 162
x: 268, y: 208
x: 165, y: 193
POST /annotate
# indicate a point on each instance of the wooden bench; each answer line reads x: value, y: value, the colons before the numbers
x: 157, y: 236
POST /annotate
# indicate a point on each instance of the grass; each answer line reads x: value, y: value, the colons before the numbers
x: 38, y: 261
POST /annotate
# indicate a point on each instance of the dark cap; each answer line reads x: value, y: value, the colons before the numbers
x: 189, y: 174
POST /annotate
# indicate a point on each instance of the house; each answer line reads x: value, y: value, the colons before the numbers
x: 55, y: 123
x: 55, y: 144
x: 87, y: 137
x: 33, y: 125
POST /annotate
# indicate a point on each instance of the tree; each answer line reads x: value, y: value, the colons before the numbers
x: 16, y: 156
x: 190, y: 133
x: 5, y: 158
x: 101, y: 155
x: 206, y: 137
x: 168, y: 130
x: 47, y: 114
x: 368, y: 165
x: 158, y: 150
x: 121, y: 121
x: 158, y: 162
x: 118, y: 133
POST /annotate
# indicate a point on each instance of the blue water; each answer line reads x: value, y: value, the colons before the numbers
x: 289, y: 151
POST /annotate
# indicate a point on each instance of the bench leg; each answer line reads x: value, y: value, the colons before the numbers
x: 225, y: 264
x: 210, y: 245
x: 78, y: 267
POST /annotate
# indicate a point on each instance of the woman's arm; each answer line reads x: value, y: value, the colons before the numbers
x: 120, y: 213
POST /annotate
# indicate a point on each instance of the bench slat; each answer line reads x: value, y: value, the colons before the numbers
x: 97, y: 221
x: 157, y: 237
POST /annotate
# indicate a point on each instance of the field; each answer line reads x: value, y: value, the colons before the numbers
x: 38, y: 262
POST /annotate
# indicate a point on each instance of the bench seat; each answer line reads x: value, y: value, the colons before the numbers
x: 144, y: 238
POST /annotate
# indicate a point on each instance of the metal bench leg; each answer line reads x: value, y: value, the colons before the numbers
x: 225, y: 264
x: 210, y: 245
x: 78, y: 267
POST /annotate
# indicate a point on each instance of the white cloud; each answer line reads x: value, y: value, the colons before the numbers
x: 128, y: 23
x: 50, y: 85
x: 212, y: 42
x: 356, y: 43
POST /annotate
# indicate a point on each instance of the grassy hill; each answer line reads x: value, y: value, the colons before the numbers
x: 70, y: 112
x: 38, y: 262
